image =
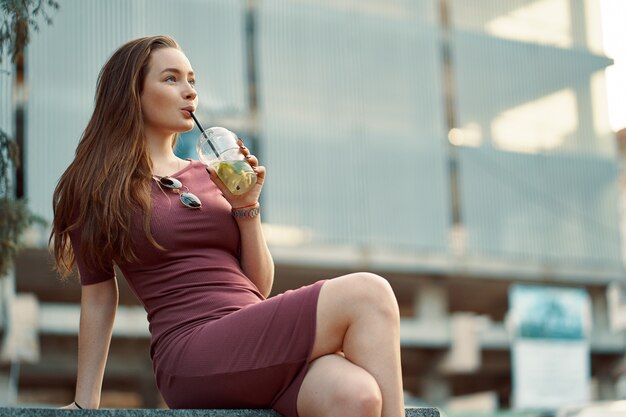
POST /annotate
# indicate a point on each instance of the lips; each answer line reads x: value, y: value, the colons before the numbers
x: 189, y: 109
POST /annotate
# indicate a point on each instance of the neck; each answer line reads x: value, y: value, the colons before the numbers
x: 159, y: 147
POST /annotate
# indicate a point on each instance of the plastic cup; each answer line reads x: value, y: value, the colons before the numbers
x: 218, y: 148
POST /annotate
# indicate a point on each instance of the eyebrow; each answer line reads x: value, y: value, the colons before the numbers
x: 176, y: 71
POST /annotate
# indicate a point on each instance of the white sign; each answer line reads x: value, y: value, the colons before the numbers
x: 550, y: 350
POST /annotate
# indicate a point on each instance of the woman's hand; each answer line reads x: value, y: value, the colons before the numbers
x: 251, y: 197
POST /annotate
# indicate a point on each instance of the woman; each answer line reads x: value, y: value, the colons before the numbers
x: 204, y: 273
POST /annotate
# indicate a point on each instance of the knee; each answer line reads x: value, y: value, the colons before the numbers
x: 375, y: 294
x: 362, y: 399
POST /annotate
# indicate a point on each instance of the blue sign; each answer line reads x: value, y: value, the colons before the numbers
x: 540, y: 312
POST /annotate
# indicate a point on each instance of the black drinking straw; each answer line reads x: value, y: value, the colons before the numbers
x: 204, y: 134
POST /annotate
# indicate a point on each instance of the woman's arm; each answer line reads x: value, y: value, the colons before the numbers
x: 98, y: 304
x: 256, y: 260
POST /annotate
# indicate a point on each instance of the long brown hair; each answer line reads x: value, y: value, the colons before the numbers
x: 109, y: 178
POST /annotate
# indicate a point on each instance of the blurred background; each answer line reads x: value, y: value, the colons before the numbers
x: 469, y: 151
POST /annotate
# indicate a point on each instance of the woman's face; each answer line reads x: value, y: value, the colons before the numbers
x: 168, y: 92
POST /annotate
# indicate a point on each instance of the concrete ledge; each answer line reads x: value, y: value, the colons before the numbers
x: 141, y: 412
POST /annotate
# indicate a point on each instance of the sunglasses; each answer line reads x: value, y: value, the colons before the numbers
x: 188, y: 199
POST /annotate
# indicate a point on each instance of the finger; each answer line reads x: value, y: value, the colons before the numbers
x: 245, y: 151
x: 260, y: 173
x: 252, y: 160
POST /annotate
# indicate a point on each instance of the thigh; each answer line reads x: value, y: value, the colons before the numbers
x: 276, y: 331
x: 340, y: 301
x: 332, y: 382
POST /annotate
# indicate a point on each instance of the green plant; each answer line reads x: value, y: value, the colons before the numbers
x: 18, y: 18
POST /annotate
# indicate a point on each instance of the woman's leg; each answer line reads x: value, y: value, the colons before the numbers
x: 357, y: 314
x: 335, y: 387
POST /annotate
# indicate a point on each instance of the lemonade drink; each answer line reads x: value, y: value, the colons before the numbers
x: 217, y: 147
x: 236, y: 175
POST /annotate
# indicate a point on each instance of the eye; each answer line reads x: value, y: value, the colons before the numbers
x: 193, y: 83
x: 170, y: 79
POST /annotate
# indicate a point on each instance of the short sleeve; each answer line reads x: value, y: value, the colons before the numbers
x: 90, y: 275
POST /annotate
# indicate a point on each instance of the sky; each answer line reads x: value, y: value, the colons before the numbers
x: 613, y: 14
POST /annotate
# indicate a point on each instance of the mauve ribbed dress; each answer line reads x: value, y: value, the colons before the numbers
x: 216, y: 341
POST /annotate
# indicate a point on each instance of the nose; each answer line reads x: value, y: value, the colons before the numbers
x: 191, y: 94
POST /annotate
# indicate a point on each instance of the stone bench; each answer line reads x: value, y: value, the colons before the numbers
x: 144, y: 412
